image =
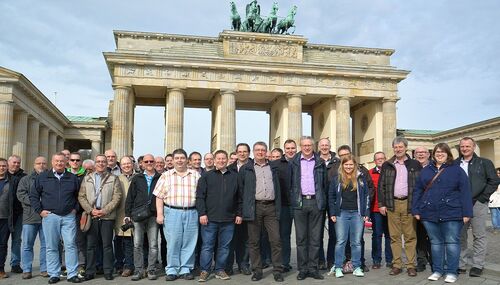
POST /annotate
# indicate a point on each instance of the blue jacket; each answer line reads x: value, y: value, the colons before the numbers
x: 57, y: 196
x: 335, y: 196
x: 448, y: 199
x: 320, y: 185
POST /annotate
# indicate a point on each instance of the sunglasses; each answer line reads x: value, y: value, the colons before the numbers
x: 148, y: 161
x: 75, y: 160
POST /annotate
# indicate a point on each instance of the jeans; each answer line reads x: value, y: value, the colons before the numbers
x: 349, y: 225
x: 308, y: 227
x: 445, y: 245
x: 4, y: 238
x: 100, y: 230
x: 209, y: 234
x: 56, y: 227
x: 150, y: 227
x: 495, y: 218
x: 181, y: 233
x: 15, y: 257
x: 286, y: 220
x: 380, y: 228
x: 124, y: 252
x: 29, y: 235
x: 239, y: 248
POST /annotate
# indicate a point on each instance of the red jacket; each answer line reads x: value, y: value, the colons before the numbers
x: 375, y: 174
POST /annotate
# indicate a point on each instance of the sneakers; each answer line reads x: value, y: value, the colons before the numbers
x: 450, y: 278
x: 81, y: 272
x: 127, y: 272
x: 27, y: 275
x: 358, y: 272
x: 435, y: 276
x: 204, y: 276
x: 138, y: 275
x: 338, y: 273
x: 222, y: 275
x: 152, y: 275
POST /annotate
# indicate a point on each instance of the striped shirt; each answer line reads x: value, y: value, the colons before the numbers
x: 177, y: 190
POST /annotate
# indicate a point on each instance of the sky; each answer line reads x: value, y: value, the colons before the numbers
x: 450, y: 47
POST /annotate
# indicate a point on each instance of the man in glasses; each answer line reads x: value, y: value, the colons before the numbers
x: 113, y: 166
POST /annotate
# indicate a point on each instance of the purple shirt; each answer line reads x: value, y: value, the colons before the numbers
x: 401, y: 183
x: 307, y: 175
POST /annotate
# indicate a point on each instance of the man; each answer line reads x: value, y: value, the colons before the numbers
x: 99, y: 195
x: 6, y: 200
x: 54, y: 197
x: 176, y: 210
x: 159, y: 164
x: 276, y: 154
x: 195, y: 162
x: 66, y: 153
x: 123, y: 242
x: 259, y: 182
x: 308, y: 198
x: 379, y: 221
x: 422, y: 155
x: 169, y: 162
x: 484, y: 182
x: 239, y: 244
x: 268, y: 155
x: 208, y: 160
x: 113, y: 166
x: 396, y: 183
x: 140, y: 195
x: 88, y: 165
x: 75, y: 165
x: 286, y: 213
x: 16, y: 173
x: 32, y: 222
x: 232, y: 158
x: 219, y: 205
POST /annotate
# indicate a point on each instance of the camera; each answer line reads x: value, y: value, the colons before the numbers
x: 127, y: 226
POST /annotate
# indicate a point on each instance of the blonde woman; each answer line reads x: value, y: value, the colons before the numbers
x: 349, y: 207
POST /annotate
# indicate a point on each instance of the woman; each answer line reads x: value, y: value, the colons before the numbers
x: 442, y: 200
x: 349, y: 207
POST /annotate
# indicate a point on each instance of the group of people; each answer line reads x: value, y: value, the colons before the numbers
x: 104, y: 216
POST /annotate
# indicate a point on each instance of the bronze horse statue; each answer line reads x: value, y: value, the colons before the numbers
x: 288, y: 22
x: 269, y: 23
x: 235, y: 17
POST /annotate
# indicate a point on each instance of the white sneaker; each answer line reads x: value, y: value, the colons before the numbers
x: 338, y: 273
x: 435, y: 276
x: 450, y: 278
x: 358, y: 272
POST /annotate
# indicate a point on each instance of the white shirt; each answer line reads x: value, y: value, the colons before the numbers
x: 465, y: 166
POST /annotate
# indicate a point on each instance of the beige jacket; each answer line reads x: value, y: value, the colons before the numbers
x: 120, y: 210
x: 111, y: 195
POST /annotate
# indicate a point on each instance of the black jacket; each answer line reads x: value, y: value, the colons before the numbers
x: 388, y: 178
x: 14, y: 182
x: 483, y: 178
x: 24, y: 188
x: 138, y: 196
x: 320, y: 178
x: 218, y: 196
x: 247, y: 183
x: 59, y: 196
x: 284, y: 177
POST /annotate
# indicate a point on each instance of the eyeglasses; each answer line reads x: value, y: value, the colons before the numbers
x: 75, y: 160
x: 148, y: 161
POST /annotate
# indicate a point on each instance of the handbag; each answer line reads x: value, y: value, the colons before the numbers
x: 86, y: 218
x: 142, y: 212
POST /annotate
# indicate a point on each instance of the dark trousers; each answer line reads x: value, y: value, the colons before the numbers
x: 81, y: 242
x: 332, y: 241
x: 265, y: 216
x: 239, y: 248
x: 308, y: 229
x: 322, y: 257
x: 100, y: 230
x: 423, y: 246
x: 265, y: 247
x: 163, y: 248
x: 286, y: 221
x: 124, y: 252
x: 4, y: 238
x: 380, y: 231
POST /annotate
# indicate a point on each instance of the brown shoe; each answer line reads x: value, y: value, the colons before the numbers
x: 412, y: 272
x: 44, y: 274
x: 127, y: 273
x: 27, y: 275
x: 3, y: 275
x: 395, y: 271
x: 376, y: 266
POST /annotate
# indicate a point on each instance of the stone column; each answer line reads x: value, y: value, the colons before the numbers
x: 32, y: 148
x: 343, y: 117
x: 120, y: 137
x: 389, y: 123
x: 52, y: 143
x: 96, y: 148
x: 60, y: 144
x: 295, y: 117
x: 496, y: 151
x: 20, y: 137
x: 6, y: 126
x: 228, y: 120
x: 174, y: 117
x: 43, y: 145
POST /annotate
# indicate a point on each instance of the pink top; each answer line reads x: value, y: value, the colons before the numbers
x: 307, y: 175
x: 401, y: 183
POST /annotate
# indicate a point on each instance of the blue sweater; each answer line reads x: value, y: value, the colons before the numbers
x: 448, y: 199
x: 335, y: 196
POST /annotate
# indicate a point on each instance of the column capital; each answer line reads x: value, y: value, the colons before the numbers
x: 390, y: 99
x: 295, y: 94
x: 343, y: 97
x: 7, y: 102
x: 228, y: 91
x: 176, y: 89
x: 118, y: 86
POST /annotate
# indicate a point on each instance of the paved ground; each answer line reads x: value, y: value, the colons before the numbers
x: 491, y: 274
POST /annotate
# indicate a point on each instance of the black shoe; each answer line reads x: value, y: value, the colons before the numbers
x: 16, y: 269
x: 108, y: 276
x: 475, y: 272
x: 278, y: 277
x: 461, y: 271
x: 420, y: 267
x: 229, y: 272
x: 54, y: 280
x: 246, y: 271
x: 365, y: 268
x: 302, y: 275
x: 256, y: 276
x: 88, y: 277
x: 322, y: 266
x: 265, y: 265
x: 75, y: 279
x: 170, y: 277
x: 286, y: 268
x: 316, y: 275
x: 187, y: 276
x: 99, y: 271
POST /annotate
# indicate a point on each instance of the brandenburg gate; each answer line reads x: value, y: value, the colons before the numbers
x: 350, y: 92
